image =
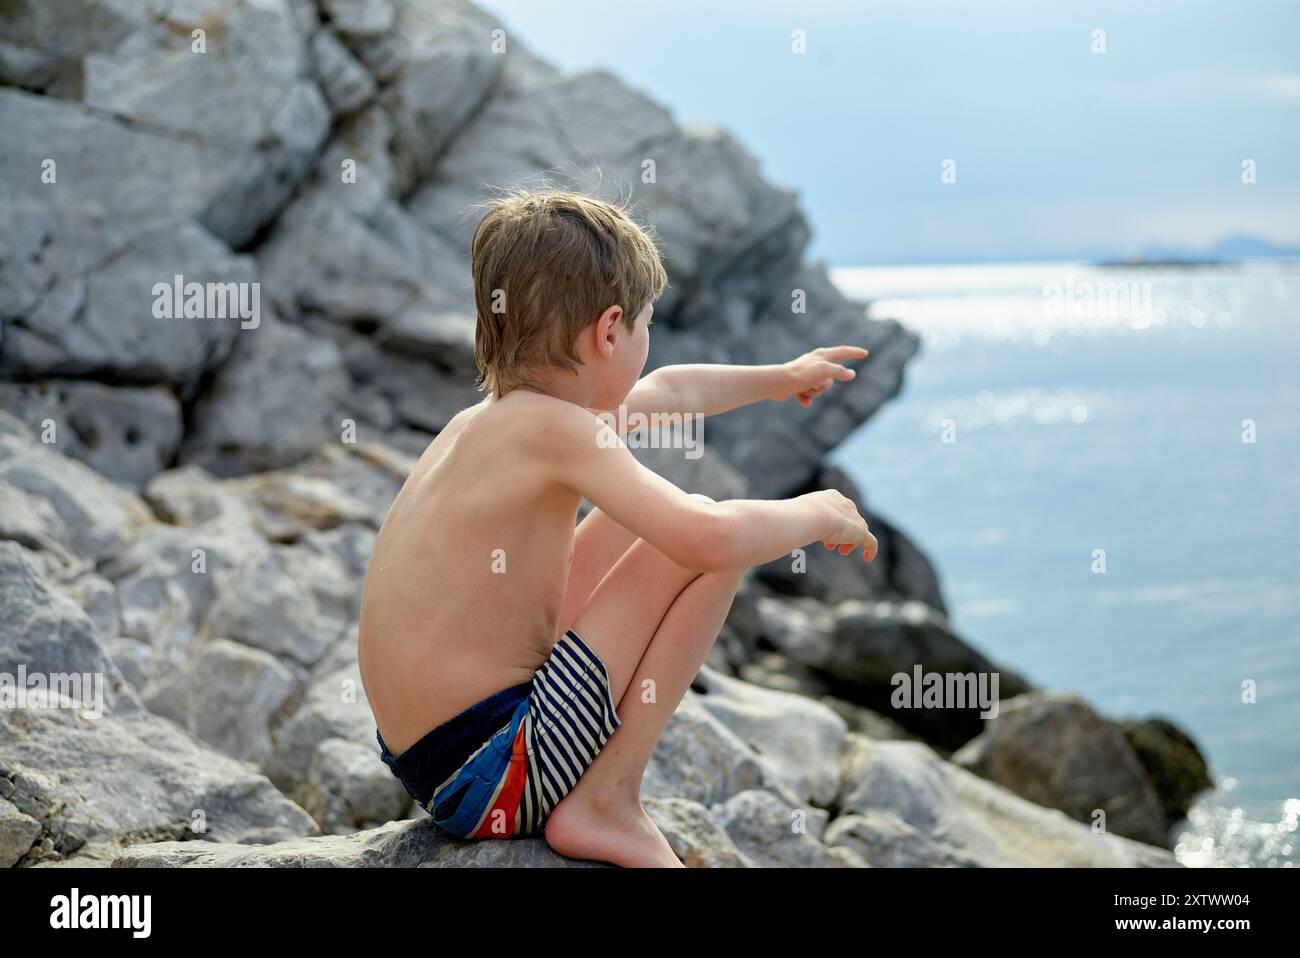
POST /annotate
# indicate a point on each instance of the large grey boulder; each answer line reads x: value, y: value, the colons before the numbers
x: 174, y: 156
x: 1053, y: 749
x: 904, y: 806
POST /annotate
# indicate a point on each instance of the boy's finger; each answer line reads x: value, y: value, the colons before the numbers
x: 841, y: 353
x: 842, y: 373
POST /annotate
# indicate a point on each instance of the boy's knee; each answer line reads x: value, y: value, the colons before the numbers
x: 701, y: 497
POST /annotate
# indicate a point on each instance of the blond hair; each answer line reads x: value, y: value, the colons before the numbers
x: 546, y: 263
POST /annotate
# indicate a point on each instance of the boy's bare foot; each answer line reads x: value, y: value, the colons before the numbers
x: 619, y: 833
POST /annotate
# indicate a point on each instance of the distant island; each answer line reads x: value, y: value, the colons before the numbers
x: 1224, y: 252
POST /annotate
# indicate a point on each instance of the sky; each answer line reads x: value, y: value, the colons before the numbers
x: 1060, y: 152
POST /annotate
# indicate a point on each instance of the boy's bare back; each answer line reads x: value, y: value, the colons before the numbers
x: 465, y: 584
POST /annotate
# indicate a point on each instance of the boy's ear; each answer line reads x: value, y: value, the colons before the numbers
x: 607, y: 329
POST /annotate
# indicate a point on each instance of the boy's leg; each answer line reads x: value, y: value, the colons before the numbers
x: 652, y: 622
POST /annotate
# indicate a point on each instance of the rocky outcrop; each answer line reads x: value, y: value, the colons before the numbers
x: 1053, y: 749
x: 188, y: 502
x: 81, y: 757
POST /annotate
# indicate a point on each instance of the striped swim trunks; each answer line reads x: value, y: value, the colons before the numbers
x: 499, y: 767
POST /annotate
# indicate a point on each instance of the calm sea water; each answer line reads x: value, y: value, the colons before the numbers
x: 1104, y: 466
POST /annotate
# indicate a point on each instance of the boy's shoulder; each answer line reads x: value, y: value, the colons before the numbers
x: 542, y: 425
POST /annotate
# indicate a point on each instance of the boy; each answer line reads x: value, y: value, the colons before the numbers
x: 501, y: 650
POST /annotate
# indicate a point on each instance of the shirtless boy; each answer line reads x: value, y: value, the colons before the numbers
x: 520, y: 670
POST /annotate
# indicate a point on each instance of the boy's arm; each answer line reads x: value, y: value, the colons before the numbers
x: 708, y: 389
x: 695, y: 533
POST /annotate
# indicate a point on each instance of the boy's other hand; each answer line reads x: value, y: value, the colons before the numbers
x: 847, y: 528
x: 814, y: 372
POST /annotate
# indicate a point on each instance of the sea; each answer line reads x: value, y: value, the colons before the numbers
x: 1102, y: 462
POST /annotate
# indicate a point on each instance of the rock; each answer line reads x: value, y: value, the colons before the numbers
x: 28, y: 27
x: 168, y: 578
x: 277, y: 399
x: 700, y: 759
x: 95, y: 772
x: 773, y: 835
x: 249, y: 92
x: 45, y: 634
x: 226, y: 696
x: 82, y: 253
x: 191, y: 496
x: 395, y: 845
x: 98, y: 599
x: 421, y: 396
x: 291, y: 602
x: 800, y: 739
x: 874, y: 642
x: 445, y: 338
x: 904, y: 806
x: 135, y: 659
x: 349, y: 544
x: 1174, y: 765
x: 446, y: 67
x: 287, y: 505
x: 87, y: 515
x: 333, y: 706
x: 358, y: 18
x: 344, y: 81
x: 127, y: 434
x: 1053, y: 749
x: 370, y: 473
x: 33, y: 523
x: 707, y: 475
x: 802, y: 628
x: 17, y: 833
x: 694, y: 834
x: 587, y: 119
x: 347, y: 788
